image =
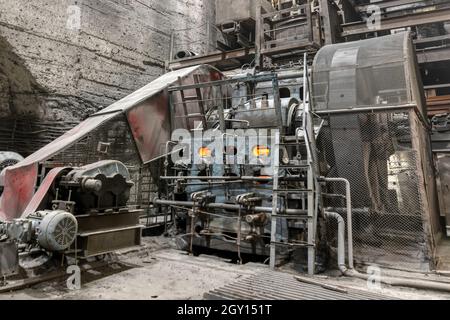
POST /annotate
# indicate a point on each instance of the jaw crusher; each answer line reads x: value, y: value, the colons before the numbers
x: 80, y: 212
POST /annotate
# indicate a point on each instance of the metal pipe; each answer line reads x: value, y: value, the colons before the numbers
x: 392, y: 281
x: 238, y: 241
x: 348, y: 198
x: 238, y: 121
x: 184, y: 54
x: 341, y: 239
x: 263, y: 77
x: 244, y: 178
x: 227, y: 206
x: 210, y: 183
x: 365, y: 109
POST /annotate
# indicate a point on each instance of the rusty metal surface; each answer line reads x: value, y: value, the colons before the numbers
x: 105, y: 241
x: 20, y: 180
x: 35, y: 203
x: 104, y: 221
x: 150, y: 126
x: 18, y: 190
x: 273, y: 285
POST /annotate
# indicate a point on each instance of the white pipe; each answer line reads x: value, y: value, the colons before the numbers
x: 392, y: 281
x: 348, y: 198
x: 341, y: 238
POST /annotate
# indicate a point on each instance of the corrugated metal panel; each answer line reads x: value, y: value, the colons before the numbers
x: 273, y: 285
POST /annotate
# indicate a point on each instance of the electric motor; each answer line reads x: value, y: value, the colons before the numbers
x: 52, y: 230
x: 56, y: 230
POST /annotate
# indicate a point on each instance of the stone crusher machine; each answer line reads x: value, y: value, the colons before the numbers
x: 259, y: 170
x: 87, y: 193
x: 359, y: 156
x: 81, y: 212
x: 245, y: 181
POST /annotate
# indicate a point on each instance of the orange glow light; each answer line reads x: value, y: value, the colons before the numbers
x: 260, y: 151
x: 204, y: 152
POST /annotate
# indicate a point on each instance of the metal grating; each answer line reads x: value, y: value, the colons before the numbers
x: 274, y: 285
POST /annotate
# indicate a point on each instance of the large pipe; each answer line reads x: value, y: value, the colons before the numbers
x: 341, y: 238
x: 348, y: 198
x: 392, y: 281
x: 244, y: 178
x: 184, y: 54
x: 226, y: 206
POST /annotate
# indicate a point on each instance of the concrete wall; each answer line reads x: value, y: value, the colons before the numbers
x: 63, y: 60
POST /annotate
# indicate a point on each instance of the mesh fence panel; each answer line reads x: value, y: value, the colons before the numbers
x: 113, y: 141
x: 378, y: 153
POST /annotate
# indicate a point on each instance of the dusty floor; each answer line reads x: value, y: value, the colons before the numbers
x: 159, y: 271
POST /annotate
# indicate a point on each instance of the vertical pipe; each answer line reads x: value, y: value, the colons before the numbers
x: 208, y: 35
x: 194, y: 210
x: 349, y: 216
x: 273, y: 232
x: 239, y: 236
x: 172, y: 44
x: 307, y: 128
x: 259, y: 37
x: 341, y: 238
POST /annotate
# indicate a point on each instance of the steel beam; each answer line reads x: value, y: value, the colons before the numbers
x: 393, y: 3
x: 414, y: 19
x: 212, y: 58
x: 433, y: 55
x: 442, y: 38
x: 329, y: 22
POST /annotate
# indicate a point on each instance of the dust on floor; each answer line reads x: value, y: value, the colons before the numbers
x: 159, y: 271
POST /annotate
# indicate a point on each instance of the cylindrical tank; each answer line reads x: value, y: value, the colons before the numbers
x: 184, y: 54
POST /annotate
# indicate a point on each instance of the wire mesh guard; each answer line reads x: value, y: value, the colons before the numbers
x: 378, y: 152
x: 113, y: 140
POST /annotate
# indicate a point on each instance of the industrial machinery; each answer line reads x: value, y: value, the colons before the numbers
x: 246, y: 184
x: 249, y: 164
x: 237, y: 21
x: 375, y: 135
x: 440, y: 138
x: 7, y: 159
x: 80, y: 212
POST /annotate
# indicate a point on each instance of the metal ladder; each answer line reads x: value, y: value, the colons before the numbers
x: 304, y: 140
x: 197, y: 98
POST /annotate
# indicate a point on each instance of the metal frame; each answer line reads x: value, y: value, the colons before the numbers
x: 272, y: 77
x: 265, y: 43
x: 440, y: 14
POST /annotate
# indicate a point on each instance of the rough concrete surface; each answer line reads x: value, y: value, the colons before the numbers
x: 147, y: 274
x: 60, y: 61
x: 159, y: 271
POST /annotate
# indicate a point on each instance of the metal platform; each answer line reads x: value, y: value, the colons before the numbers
x: 274, y: 285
